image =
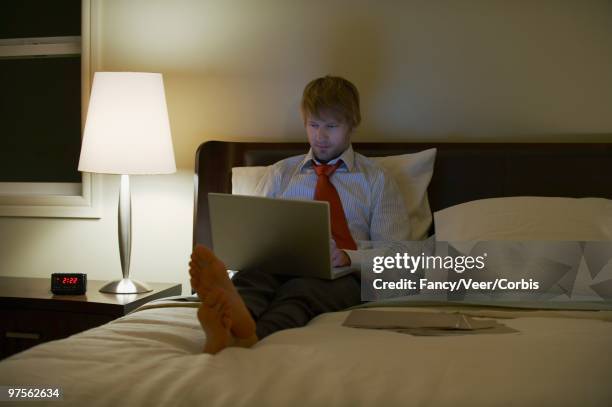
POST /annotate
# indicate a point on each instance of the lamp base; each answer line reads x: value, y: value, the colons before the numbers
x: 125, y: 286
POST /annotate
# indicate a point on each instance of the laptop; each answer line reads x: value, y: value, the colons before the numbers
x: 279, y: 236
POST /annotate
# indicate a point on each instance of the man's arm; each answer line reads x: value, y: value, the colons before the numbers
x: 389, y: 220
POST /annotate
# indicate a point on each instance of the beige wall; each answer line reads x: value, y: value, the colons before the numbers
x: 428, y: 70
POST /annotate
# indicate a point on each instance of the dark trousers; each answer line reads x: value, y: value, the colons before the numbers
x: 281, y: 302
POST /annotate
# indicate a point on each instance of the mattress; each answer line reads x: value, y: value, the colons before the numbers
x: 153, y: 357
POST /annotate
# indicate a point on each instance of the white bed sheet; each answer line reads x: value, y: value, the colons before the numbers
x: 152, y: 357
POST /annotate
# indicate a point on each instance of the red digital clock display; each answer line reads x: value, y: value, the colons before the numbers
x: 70, y: 280
x: 68, y: 283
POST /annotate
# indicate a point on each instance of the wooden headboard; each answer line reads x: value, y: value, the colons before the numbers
x: 463, y: 171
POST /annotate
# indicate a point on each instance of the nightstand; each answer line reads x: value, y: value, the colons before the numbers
x: 31, y: 314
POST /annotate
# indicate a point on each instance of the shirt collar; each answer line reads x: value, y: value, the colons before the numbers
x: 347, y: 157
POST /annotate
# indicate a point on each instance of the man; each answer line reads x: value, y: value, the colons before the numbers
x: 365, y: 205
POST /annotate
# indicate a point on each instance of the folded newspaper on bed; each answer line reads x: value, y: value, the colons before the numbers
x: 424, y: 323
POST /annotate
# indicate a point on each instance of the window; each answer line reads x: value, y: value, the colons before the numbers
x: 44, y: 77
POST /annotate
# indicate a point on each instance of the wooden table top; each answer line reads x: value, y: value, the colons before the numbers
x: 37, y: 291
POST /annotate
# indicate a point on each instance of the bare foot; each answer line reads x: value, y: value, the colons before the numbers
x: 207, y: 272
x: 213, y: 315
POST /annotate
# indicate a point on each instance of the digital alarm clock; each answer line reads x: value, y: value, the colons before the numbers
x: 68, y: 283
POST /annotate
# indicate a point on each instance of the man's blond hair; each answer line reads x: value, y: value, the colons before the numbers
x: 331, y: 96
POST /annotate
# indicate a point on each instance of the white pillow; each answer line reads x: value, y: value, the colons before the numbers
x: 245, y: 179
x: 526, y: 218
x: 412, y: 173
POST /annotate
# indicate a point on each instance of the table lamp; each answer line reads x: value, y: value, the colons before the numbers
x: 127, y: 132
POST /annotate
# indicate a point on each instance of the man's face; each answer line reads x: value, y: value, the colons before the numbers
x: 327, y: 136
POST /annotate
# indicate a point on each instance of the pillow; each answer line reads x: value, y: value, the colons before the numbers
x: 245, y: 179
x: 526, y: 218
x: 570, y: 242
x: 411, y: 172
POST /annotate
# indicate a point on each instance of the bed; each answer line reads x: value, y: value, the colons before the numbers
x: 558, y: 354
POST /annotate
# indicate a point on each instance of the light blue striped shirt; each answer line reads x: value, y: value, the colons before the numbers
x: 373, y: 206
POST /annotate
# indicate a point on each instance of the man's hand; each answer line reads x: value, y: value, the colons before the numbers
x: 339, y: 258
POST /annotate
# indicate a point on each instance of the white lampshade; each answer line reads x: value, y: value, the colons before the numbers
x: 127, y: 129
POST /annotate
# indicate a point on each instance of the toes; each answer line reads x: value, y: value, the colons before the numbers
x: 194, y: 270
x: 199, y: 260
x: 195, y: 277
x: 205, y: 258
x: 202, y: 253
x: 195, y: 284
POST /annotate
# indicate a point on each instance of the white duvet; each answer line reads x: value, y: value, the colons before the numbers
x: 153, y: 357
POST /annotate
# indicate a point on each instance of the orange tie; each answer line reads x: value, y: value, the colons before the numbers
x: 325, y: 191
